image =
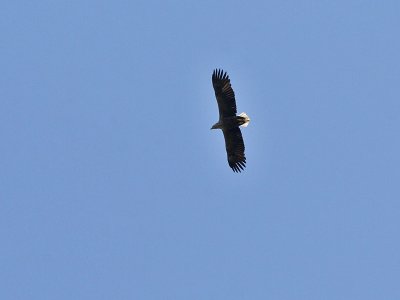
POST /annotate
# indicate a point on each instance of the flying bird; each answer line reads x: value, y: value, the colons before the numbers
x: 229, y: 122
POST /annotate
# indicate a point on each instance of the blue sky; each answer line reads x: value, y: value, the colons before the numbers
x: 112, y: 185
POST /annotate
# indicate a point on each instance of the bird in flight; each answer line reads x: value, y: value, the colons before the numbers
x: 229, y: 122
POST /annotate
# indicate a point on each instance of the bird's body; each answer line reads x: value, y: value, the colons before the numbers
x: 229, y: 122
x: 232, y: 122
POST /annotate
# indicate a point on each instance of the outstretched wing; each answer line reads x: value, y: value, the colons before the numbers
x: 235, y: 148
x: 224, y: 94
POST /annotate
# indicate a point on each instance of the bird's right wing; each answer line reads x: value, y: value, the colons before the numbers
x: 235, y: 149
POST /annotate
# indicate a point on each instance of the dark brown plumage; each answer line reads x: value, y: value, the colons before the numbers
x: 229, y: 122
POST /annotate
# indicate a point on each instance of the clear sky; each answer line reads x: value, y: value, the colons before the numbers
x: 113, y: 186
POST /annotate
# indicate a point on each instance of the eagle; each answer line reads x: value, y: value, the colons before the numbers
x: 229, y: 122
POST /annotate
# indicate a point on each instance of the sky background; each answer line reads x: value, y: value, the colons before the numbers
x: 112, y: 185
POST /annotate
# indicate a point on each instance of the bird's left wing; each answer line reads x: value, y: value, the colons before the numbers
x: 224, y: 94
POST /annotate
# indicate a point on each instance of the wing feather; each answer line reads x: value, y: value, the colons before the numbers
x: 235, y: 149
x: 224, y: 94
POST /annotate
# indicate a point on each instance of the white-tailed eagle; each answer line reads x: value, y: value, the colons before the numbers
x: 229, y: 122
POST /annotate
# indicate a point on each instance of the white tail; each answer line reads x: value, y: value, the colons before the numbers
x: 247, y: 121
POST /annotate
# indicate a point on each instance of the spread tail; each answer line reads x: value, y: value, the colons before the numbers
x: 246, y: 119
